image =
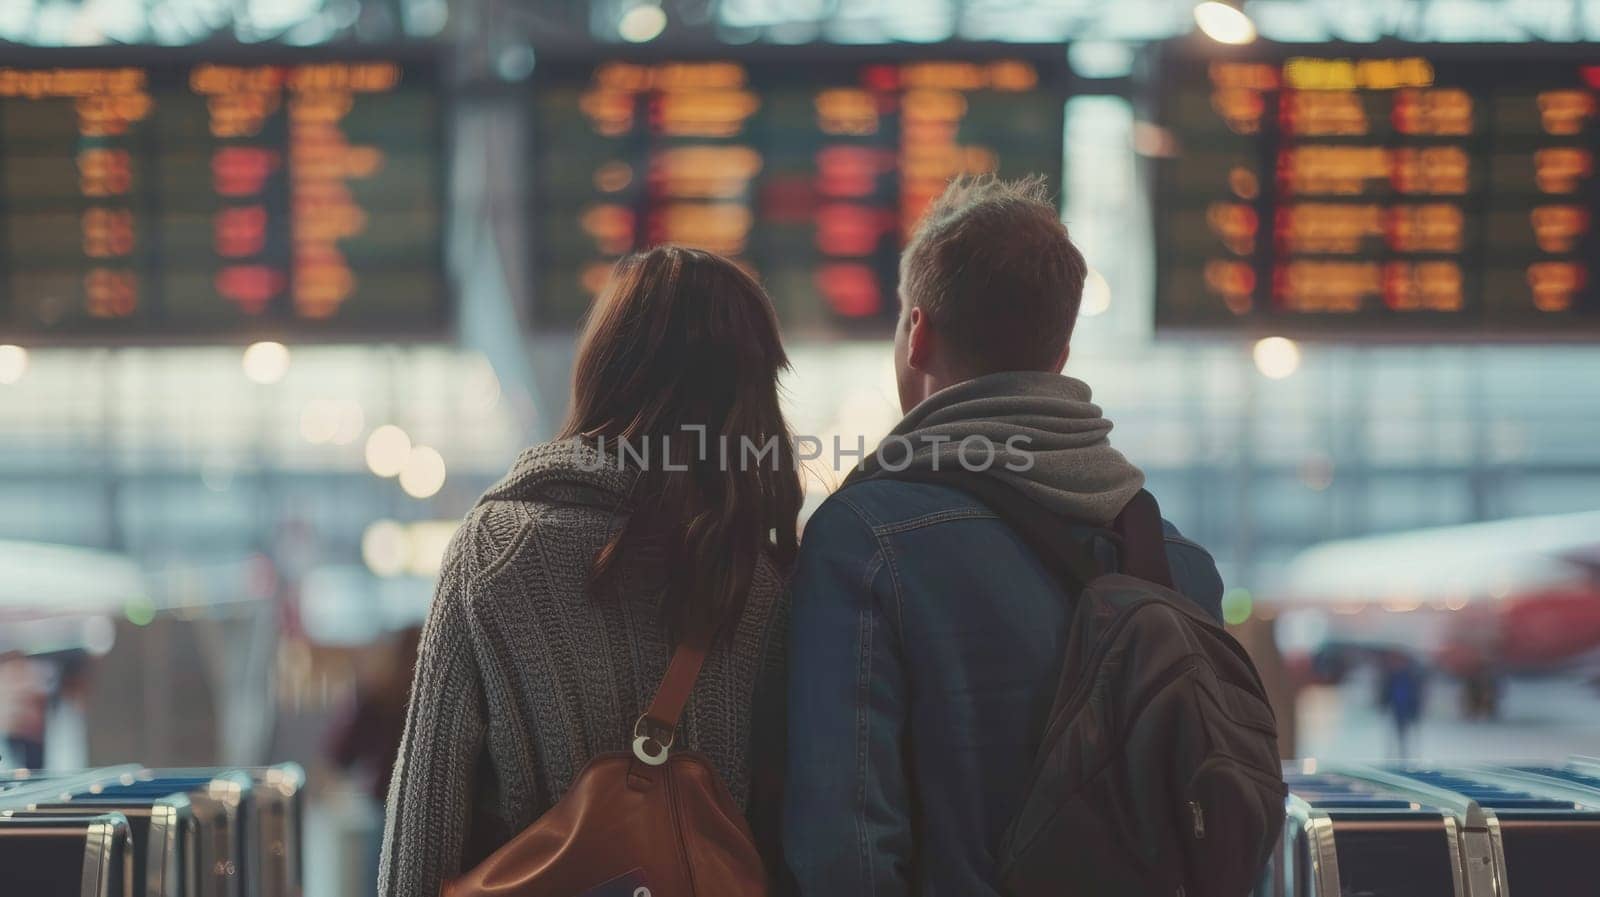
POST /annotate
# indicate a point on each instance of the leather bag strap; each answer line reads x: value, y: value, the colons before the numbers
x: 1144, y: 542
x: 673, y: 693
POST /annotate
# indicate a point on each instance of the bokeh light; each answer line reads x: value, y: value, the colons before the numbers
x: 99, y: 635
x: 1236, y: 606
x: 139, y: 611
x: 335, y: 421
x: 1276, y: 357
x: 424, y: 473
x: 385, y: 548
x: 266, y: 362
x: 318, y: 421
x: 1224, y: 23
x: 514, y: 62
x: 425, y: 18
x: 13, y: 364
x: 349, y: 421
x: 642, y: 23
x: 1096, y: 295
x: 388, y: 450
x: 427, y: 543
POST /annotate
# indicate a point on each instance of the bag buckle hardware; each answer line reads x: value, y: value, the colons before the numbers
x: 651, y: 748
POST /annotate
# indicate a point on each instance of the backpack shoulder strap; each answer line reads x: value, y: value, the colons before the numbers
x: 1144, y: 543
x: 654, y: 732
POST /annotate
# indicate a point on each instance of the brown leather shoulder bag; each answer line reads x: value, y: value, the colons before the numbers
x: 649, y: 822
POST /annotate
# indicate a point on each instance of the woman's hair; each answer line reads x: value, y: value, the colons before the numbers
x: 682, y: 351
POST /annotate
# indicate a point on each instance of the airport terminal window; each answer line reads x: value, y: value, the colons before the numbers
x: 1399, y: 501
x: 1554, y: 492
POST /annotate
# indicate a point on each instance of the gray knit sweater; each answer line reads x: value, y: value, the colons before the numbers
x: 523, y: 677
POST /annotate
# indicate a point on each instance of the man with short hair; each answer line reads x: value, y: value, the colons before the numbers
x: 927, y: 635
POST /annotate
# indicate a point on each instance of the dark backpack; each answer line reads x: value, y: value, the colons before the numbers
x: 1158, y: 773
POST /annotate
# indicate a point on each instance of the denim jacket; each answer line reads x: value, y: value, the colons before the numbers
x: 924, y: 656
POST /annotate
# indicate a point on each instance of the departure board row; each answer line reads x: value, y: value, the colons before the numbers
x: 1401, y: 191
x: 214, y: 199
x: 808, y: 165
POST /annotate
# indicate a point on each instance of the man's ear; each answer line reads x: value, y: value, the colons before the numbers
x: 919, y: 340
x: 1061, y: 361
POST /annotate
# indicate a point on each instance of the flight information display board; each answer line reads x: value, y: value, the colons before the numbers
x: 148, y: 199
x: 810, y: 165
x: 1409, y: 192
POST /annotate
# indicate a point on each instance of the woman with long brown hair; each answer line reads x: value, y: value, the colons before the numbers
x: 666, y: 509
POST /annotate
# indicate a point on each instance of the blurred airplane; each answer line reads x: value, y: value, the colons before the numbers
x: 57, y: 597
x: 1509, y: 597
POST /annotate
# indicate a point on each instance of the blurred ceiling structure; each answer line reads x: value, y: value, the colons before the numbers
x: 305, y: 22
